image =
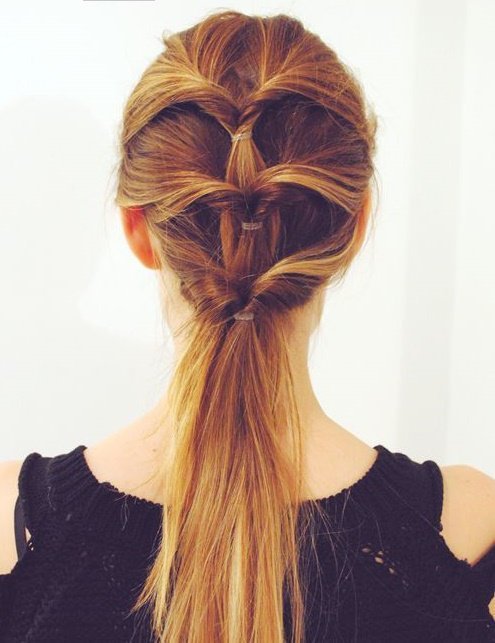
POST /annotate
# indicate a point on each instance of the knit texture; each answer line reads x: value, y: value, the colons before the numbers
x: 381, y: 571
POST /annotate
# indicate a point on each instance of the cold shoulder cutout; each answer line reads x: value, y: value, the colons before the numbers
x: 380, y: 569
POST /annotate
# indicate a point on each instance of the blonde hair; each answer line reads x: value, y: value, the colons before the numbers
x: 232, y: 531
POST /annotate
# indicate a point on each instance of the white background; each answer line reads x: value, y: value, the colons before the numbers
x: 406, y: 351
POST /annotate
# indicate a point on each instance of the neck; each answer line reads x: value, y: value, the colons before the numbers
x: 306, y: 320
x: 313, y: 416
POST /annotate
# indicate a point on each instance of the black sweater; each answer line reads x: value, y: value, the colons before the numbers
x: 399, y: 582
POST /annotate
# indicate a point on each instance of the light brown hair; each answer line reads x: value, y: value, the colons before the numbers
x: 232, y: 529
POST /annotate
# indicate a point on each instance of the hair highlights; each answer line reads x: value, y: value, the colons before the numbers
x: 249, y: 146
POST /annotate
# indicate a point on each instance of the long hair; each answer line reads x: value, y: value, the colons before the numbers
x: 298, y: 179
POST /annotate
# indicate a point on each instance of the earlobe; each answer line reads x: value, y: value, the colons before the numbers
x: 137, y: 235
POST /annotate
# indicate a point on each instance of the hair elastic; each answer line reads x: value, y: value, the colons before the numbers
x: 245, y: 134
x: 251, y: 225
x: 244, y: 315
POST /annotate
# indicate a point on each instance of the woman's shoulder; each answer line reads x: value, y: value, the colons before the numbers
x: 468, y: 518
x: 9, y: 475
x: 468, y: 511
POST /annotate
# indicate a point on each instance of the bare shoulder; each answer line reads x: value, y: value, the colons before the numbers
x: 9, y: 473
x: 470, y: 493
x: 468, y: 513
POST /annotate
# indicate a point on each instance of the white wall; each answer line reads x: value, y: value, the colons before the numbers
x: 405, y: 354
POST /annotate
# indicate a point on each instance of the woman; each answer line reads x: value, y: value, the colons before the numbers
x: 245, y: 183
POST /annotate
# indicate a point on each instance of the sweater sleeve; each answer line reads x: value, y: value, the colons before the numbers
x: 34, y: 492
x: 31, y: 485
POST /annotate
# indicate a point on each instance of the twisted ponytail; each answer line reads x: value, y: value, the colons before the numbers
x: 248, y: 146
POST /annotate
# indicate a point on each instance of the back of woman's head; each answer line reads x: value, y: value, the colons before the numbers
x: 248, y: 146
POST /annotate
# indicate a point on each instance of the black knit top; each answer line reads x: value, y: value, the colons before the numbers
x: 384, y: 575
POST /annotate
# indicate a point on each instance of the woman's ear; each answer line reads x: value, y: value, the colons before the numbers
x: 138, y: 237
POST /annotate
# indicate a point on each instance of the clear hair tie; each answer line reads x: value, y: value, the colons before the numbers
x: 251, y: 225
x: 236, y: 137
x: 244, y: 315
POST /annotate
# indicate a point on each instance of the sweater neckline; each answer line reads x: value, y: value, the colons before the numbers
x: 154, y: 506
x: 74, y: 487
